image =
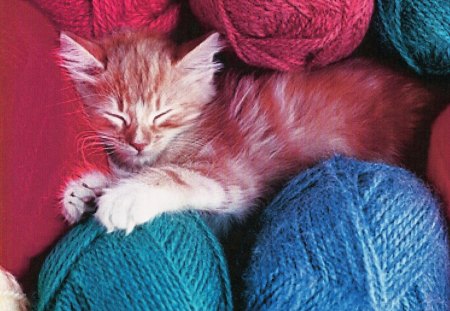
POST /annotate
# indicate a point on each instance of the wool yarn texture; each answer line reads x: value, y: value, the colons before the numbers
x: 172, y: 263
x: 96, y: 18
x: 418, y: 31
x: 288, y: 35
x: 12, y: 297
x: 438, y: 166
x: 350, y: 235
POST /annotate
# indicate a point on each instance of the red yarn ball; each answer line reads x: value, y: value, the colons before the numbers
x: 288, y: 34
x: 95, y: 18
x: 438, y: 169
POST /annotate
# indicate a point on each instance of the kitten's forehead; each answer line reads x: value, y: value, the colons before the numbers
x: 144, y: 54
x: 138, y: 67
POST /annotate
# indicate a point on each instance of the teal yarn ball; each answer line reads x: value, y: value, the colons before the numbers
x: 350, y: 235
x: 172, y: 263
x: 418, y: 30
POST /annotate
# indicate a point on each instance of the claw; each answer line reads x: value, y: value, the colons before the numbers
x: 128, y: 230
x: 130, y: 226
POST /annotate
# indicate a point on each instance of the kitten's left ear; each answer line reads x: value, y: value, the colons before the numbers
x: 82, y: 58
x: 201, y: 57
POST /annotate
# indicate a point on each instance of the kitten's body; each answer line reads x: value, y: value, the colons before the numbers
x: 222, y: 151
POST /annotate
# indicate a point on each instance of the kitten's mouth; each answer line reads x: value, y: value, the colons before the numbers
x: 130, y: 162
x: 131, y: 159
x: 135, y: 160
x: 141, y: 157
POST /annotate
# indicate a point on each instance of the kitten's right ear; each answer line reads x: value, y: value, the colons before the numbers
x: 201, y: 57
x: 82, y: 58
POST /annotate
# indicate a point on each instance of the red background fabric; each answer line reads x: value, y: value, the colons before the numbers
x: 39, y: 123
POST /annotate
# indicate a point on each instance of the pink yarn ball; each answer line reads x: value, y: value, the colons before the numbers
x: 288, y: 34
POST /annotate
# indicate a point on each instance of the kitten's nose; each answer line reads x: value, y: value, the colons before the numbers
x: 138, y: 146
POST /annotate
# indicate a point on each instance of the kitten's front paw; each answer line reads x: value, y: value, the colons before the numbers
x: 80, y: 195
x: 131, y: 203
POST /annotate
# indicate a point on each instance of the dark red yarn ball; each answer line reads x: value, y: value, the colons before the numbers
x: 288, y: 34
x: 95, y: 18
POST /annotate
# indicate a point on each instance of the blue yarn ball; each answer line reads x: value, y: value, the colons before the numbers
x: 172, y: 263
x: 350, y: 235
x: 418, y: 30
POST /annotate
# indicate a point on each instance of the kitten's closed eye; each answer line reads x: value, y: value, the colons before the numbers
x: 161, y: 117
x: 118, y: 118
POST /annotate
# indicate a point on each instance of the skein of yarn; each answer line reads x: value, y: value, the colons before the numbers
x: 418, y: 31
x: 172, y: 263
x: 95, y: 18
x: 288, y: 35
x: 438, y: 166
x: 350, y: 235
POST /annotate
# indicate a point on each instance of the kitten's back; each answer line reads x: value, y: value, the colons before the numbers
x: 357, y: 108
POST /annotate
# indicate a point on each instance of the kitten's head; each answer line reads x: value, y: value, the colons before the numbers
x: 139, y: 90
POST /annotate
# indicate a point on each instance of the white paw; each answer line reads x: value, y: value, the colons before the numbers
x: 80, y: 195
x: 131, y: 203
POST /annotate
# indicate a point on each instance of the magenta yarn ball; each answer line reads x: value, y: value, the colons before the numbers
x: 288, y: 35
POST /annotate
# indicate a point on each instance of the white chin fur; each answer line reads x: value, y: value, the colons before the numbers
x: 134, y: 161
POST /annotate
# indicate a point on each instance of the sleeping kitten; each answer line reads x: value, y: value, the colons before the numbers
x: 177, y: 141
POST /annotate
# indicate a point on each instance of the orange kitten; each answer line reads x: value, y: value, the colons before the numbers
x: 178, y: 141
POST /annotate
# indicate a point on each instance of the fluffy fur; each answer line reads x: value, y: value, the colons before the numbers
x: 177, y: 139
